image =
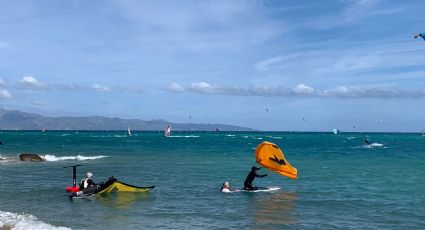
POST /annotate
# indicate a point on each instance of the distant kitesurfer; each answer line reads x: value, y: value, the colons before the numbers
x: 87, y: 182
x: 367, y: 141
x: 422, y: 35
x: 250, y: 178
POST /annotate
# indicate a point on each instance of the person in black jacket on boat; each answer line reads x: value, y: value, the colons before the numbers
x: 87, y: 182
x: 250, y: 178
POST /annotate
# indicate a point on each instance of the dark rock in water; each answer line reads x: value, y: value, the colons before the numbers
x: 30, y: 157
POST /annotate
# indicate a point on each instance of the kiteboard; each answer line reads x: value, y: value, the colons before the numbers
x: 263, y: 189
x: 259, y: 189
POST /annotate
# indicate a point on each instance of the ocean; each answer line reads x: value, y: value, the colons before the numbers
x: 343, y: 183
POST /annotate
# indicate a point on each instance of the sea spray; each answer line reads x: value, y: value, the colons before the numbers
x: 78, y: 157
x: 14, y: 221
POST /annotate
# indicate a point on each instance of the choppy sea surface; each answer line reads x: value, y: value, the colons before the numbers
x: 343, y: 183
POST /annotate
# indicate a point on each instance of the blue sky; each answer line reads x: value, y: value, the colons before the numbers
x: 337, y: 64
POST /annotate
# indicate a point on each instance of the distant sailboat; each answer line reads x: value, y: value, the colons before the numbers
x: 128, y: 131
x: 423, y: 134
x: 167, y: 131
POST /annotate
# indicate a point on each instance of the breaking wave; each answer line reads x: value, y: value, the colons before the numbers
x: 14, y: 221
x: 64, y: 158
x: 4, y: 159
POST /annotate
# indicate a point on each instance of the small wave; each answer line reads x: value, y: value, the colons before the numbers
x: 4, y: 159
x: 350, y: 138
x: 78, y: 157
x: 230, y: 135
x: 65, y: 134
x: 16, y: 221
x: 185, y: 136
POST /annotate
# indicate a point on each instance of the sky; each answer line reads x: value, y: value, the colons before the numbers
x: 269, y: 65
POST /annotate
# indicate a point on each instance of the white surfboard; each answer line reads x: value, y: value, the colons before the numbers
x: 260, y: 189
x: 263, y: 189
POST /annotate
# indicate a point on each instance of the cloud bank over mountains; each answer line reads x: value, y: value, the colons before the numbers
x: 31, y: 83
x: 300, y: 90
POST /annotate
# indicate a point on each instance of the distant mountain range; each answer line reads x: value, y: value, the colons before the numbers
x: 17, y: 120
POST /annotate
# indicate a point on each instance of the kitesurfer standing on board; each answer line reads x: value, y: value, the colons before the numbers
x: 87, y: 182
x: 250, y: 178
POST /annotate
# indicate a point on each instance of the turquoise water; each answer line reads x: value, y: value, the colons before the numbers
x: 342, y: 183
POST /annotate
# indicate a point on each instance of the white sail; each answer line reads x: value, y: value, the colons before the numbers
x: 128, y: 131
x: 167, y: 131
x: 336, y: 131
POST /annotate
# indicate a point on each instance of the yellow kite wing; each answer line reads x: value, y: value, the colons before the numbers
x: 270, y: 156
x: 123, y: 187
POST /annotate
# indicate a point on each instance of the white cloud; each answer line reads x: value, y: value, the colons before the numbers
x: 175, y: 87
x: 267, y: 64
x: 30, y: 82
x: 5, y: 94
x: 355, y: 9
x: 204, y: 87
x: 201, y: 25
x: 302, y: 90
x: 100, y: 88
x: 2, y: 83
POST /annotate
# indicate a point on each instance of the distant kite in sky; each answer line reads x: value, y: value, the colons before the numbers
x: 303, y: 119
x: 190, y: 117
x: 422, y: 35
x: 267, y: 110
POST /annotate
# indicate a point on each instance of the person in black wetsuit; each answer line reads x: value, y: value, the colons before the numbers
x: 250, y: 178
x: 87, y: 182
x: 367, y: 141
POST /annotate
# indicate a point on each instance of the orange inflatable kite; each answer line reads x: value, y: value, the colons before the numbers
x: 270, y: 156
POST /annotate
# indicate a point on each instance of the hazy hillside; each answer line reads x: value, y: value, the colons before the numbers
x: 17, y: 120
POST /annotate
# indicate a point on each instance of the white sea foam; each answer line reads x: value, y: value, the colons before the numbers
x: 373, y: 145
x: 78, y: 157
x: 6, y: 159
x: 23, y: 222
x: 230, y: 135
x: 184, y: 136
